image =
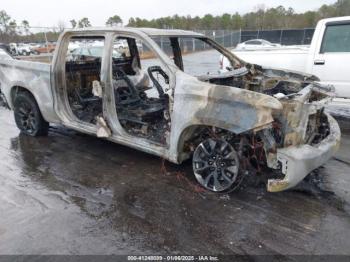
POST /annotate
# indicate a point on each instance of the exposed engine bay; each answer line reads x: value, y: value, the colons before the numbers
x: 302, y: 120
x: 266, y: 81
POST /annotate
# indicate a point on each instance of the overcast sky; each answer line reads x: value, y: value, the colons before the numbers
x: 49, y: 12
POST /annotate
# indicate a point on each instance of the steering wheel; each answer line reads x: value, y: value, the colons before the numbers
x: 151, y: 70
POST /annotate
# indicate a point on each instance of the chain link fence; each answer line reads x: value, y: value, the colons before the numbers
x: 230, y: 39
x: 35, y: 36
x: 283, y: 37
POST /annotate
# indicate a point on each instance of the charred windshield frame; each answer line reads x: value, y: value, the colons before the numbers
x: 177, y: 55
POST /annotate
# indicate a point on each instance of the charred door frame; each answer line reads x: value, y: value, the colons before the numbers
x: 62, y: 107
x: 61, y: 101
x: 118, y: 132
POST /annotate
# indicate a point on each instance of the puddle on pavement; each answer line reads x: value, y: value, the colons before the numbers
x: 113, y: 199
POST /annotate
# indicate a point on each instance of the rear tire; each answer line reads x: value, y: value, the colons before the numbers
x: 28, y: 116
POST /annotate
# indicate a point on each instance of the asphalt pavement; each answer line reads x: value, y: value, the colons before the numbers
x: 70, y: 193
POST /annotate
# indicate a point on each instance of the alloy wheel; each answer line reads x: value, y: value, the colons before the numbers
x: 215, y: 164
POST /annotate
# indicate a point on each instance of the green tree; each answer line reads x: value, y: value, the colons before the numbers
x: 236, y: 21
x: 61, y: 26
x: 25, y: 26
x: 279, y: 17
x: 207, y: 21
x: 4, y: 21
x: 326, y: 11
x: 226, y: 21
x: 12, y: 28
x: 84, y: 22
x: 73, y: 23
x: 342, y: 7
x: 114, y: 21
x: 132, y: 22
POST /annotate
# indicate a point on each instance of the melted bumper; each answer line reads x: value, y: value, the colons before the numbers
x: 298, y: 161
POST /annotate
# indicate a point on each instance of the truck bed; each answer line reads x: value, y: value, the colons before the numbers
x: 35, y: 77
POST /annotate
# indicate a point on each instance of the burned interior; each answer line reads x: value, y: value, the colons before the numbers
x: 139, y: 84
x: 83, y: 67
x: 141, y: 103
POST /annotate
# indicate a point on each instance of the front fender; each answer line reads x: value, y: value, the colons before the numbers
x: 226, y: 107
x: 237, y: 110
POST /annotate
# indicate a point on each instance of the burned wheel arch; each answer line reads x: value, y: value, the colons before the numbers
x: 226, y: 108
x: 15, y: 90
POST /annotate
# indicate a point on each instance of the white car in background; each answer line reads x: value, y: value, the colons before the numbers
x: 73, y: 45
x: 256, y: 44
x: 13, y: 48
x: 20, y: 49
x: 121, y: 44
x: 89, y: 52
x: 328, y: 56
x: 24, y: 49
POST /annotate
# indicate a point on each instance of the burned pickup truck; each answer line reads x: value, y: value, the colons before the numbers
x: 147, y: 89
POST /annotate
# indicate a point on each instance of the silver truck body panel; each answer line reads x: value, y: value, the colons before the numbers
x: 32, y: 76
x: 194, y: 103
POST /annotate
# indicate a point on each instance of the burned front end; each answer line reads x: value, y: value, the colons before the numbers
x: 301, y: 137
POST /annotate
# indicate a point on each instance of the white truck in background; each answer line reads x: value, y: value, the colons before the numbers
x: 328, y: 56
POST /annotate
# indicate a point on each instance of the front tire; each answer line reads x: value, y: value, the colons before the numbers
x: 216, y: 165
x: 28, y: 116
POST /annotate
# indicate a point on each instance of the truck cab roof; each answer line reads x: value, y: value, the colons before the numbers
x: 335, y: 19
x: 148, y: 31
